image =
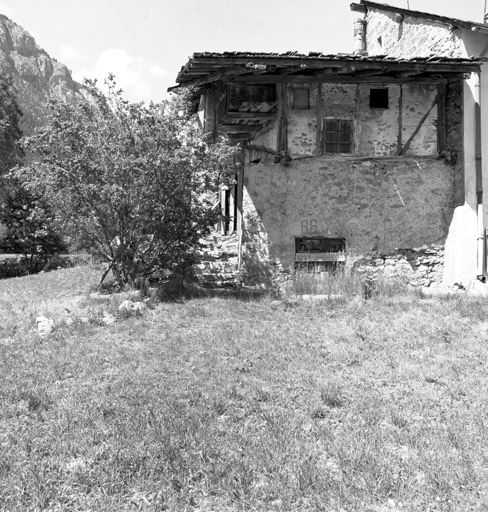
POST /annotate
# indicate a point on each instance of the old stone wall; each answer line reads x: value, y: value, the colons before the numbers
x: 408, y: 36
x: 378, y: 206
x: 382, y: 204
x: 422, y: 266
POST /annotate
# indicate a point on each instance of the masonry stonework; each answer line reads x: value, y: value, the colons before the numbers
x: 393, y: 211
x: 407, y: 36
x: 377, y: 206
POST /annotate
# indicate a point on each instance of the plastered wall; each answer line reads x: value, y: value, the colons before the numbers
x: 377, y: 206
x: 377, y: 131
x: 388, y: 34
x: 377, y: 201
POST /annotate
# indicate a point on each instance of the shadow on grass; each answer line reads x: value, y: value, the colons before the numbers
x: 238, y: 293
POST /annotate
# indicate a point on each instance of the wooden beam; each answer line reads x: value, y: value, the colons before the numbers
x: 281, y: 118
x: 239, y: 128
x: 250, y: 115
x: 320, y: 256
x: 218, y: 75
x: 320, y: 63
x: 343, y: 79
x: 358, y: 7
x: 232, y: 205
x: 222, y: 201
x: 400, y: 122
x: 319, y: 119
x: 240, y: 200
x: 441, y: 117
x: 405, y: 148
x: 264, y: 149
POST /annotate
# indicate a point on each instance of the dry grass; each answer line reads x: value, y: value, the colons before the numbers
x: 220, y: 404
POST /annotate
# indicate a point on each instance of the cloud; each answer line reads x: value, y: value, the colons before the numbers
x: 136, y: 76
x: 7, y: 11
x: 139, y: 78
x: 69, y: 53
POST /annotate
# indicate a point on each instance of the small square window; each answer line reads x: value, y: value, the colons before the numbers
x: 301, y: 99
x: 378, y: 98
x: 320, y: 254
x: 338, y: 135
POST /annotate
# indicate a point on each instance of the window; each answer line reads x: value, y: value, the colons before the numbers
x: 378, y: 98
x: 338, y: 136
x: 251, y: 98
x: 301, y: 99
x: 319, y: 253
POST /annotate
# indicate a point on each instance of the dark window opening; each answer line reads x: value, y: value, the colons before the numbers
x: 301, y: 99
x: 338, y: 136
x: 251, y: 98
x: 378, y: 98
x: 227, y: 205
x: 320, y: 254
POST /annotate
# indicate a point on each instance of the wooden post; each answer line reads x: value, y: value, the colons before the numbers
x: 222, y: 211
x: 281, y: 117
x: 417, y: 129
x: 240, y: 210
x: 319, y: 119
x: 400, y: 122
x: 441, y: 117
x: 232, y: 207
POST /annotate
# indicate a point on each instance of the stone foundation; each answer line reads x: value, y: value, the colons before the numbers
x: 414, y: 267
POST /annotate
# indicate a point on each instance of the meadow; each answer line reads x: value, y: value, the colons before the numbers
x: 239, y: 403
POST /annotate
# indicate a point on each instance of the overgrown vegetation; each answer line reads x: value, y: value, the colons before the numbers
x: 374, y: 405
x: 27, y: 224
x: 134, y: 184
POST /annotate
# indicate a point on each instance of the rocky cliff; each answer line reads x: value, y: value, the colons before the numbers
x: 34, y: 74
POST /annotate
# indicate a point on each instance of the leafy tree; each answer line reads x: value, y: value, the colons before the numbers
x: 26, y: 220
x: 11, y: 152
x: 130, y: 182
x: 29, y: 222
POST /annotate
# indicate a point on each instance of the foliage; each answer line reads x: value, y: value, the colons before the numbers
x: 30, y: 225
x: 133, y: 183
x: 26, y: 220
x: 11, y: 153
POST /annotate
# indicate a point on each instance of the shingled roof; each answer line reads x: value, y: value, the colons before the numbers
x: 255, y: 67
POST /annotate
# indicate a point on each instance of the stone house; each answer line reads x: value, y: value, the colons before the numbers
x: 403, y: 33
x: 345, y: 159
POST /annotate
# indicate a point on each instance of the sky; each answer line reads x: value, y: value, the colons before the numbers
x: 146, y: 42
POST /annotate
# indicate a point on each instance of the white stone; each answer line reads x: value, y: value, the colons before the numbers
x: 44, y: 326
x: 476, y: 287
x: 129, y: 308
x: 108, y: 318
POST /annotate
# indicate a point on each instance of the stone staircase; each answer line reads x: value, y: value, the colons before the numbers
x: 219, y: 265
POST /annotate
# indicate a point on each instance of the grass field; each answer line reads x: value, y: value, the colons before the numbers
x: 228, y: 404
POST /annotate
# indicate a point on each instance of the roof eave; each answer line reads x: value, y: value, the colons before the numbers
x: 206, y: 68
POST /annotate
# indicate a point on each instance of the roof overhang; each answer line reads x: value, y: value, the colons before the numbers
x: 205, y: 68
x: 363, y: 6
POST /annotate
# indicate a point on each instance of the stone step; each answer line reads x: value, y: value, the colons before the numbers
x: 219, y: 260
x: 215, y: 267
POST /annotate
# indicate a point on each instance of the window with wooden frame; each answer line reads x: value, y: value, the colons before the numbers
x: 338, y: 136
x: 301, y: 98
x: 251, y: 98
x: 320, y: 254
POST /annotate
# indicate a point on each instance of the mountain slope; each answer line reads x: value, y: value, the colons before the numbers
x: 33, y: 73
